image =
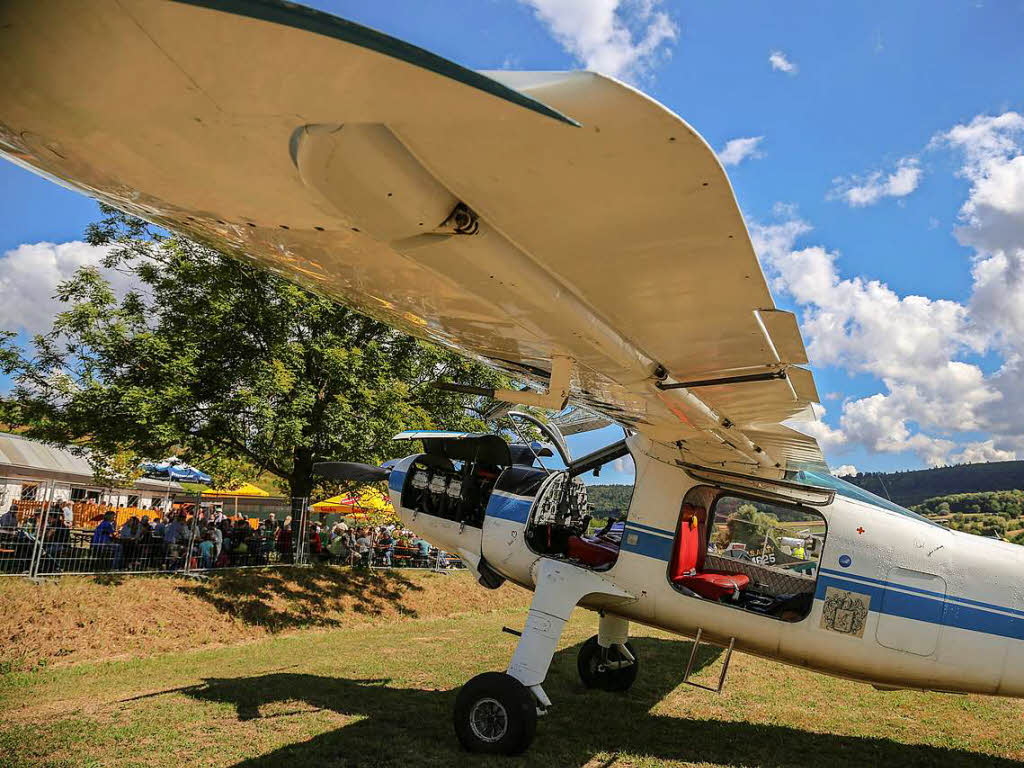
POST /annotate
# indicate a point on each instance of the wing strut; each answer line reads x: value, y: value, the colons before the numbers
x: 555, y: 399
x: 771, y: 376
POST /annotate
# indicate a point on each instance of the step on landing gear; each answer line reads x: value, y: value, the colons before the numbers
x: 495, y: 714
x: 607, y: 669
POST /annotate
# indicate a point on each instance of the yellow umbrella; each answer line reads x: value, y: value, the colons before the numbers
x: 246, y: 489
x: 364, y: 500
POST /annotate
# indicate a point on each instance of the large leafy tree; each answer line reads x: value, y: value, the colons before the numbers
x: 225, y: 363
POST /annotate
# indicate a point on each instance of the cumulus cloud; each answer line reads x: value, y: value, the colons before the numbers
x: 912, y: 344
x: 860, y: 191
x: 621, y: 38
x: 846, y: 470
x: 974, y: 453
x: 781, y: 63
x: 624, y: 466
x: 827, y: 437
x: 736, y: 151
x: 30, y: 274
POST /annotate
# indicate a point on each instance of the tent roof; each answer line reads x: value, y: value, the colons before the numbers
x: 246, y: 489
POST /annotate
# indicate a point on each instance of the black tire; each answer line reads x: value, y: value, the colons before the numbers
x: 495, y: 714
x: 590, y: 664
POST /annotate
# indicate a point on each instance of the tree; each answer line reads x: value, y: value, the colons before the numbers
x: 220, y: 362
x: 750, y: 526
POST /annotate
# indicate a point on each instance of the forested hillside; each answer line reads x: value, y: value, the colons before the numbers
x: 609, y: 500
x: 913, y: 487
x: 992, y: 513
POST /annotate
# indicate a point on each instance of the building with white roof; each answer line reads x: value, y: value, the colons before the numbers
x: 30, y: 470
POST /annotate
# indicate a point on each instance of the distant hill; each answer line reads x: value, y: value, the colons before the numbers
x: 915, y: 486
x: 609, y: 500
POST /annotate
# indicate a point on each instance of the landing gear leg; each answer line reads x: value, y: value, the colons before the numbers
x: 608, y: 661
x: 491, y: 711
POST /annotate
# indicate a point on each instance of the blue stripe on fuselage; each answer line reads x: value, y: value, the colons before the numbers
x: 647, y: 544
x: 920, y: 607
x: 503, y: 507
x: 918, y: 590
x: 649, y: 529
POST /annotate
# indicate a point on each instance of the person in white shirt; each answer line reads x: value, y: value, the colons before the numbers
x: 68, y: 513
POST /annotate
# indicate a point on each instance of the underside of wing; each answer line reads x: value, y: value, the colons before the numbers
x: 515, y: 216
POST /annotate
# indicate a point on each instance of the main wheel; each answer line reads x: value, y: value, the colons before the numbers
x: 606, y: 669
x: 495, y: 714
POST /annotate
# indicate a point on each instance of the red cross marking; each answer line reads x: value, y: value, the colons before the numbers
x: 860, y: 530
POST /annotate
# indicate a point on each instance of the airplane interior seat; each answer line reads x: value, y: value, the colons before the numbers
x: 592, y: 551
x: 687, y: 566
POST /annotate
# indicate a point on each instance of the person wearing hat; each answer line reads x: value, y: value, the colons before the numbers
x: 9, y: 519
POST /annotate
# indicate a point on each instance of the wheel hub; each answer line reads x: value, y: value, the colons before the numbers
x: 488, y: 720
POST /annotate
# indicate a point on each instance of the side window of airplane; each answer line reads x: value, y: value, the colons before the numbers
x: 748, y: 553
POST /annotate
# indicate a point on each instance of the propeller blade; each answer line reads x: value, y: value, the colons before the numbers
x: 350, y: 471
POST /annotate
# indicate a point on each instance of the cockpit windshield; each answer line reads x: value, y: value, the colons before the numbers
x: 851, y: 491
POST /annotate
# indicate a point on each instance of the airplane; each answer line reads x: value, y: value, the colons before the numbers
x: 574, y: 233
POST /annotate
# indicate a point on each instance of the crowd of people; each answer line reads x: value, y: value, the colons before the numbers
x: 384, y: 546
x: 188, y: 538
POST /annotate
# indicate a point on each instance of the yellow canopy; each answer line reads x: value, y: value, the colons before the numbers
x: 246, y: 489
x: 367, y: 499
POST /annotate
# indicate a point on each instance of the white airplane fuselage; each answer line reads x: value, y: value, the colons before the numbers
x: 945, y: 610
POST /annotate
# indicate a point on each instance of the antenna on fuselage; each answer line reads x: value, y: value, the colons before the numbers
x: 886, y: 490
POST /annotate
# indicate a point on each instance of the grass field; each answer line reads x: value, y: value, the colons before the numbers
x: 377, y: 688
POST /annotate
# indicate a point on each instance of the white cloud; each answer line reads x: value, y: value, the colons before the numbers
x: 780, y: 63
x: 30, y: 274
x: 974, y: 453
x: 621, y: 38
x: 859, y: 324
x: 860, y: 191
x: 912, y: 344
x: 827, y: 437
x: 624, y: 466
x: 736, y: 151
x: 846, y: 470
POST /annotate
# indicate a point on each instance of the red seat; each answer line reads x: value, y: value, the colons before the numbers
x: 592, y: 552
x: 715, y: 585
x: 687, y: 567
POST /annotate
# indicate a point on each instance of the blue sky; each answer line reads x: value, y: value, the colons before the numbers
x: 882, y: 161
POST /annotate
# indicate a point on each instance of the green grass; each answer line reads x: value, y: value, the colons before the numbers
x: 382, y: 695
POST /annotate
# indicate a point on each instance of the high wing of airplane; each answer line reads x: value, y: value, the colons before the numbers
x: 560, y: 226
x: 565, y: 228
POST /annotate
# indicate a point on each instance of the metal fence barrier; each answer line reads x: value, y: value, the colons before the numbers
x: 48, y: 535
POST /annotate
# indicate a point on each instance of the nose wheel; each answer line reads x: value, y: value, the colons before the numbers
x: 607, y: 669
x: 495, y: 714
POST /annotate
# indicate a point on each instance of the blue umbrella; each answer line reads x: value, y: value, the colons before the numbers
x: 181, y: 473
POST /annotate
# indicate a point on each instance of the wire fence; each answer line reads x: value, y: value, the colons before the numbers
x: 44, y: 532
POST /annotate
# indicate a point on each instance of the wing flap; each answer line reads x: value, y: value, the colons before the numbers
x: 784, y: 333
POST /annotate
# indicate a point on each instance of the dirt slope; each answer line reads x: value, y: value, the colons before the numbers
x: 76, y: 619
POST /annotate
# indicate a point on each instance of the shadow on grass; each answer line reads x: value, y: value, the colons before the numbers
x: 403, y: 726
x: 287, y: 598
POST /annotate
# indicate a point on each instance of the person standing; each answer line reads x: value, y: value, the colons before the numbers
x: 9, y: 519
x: 103, y: 540
x: 67, y: 512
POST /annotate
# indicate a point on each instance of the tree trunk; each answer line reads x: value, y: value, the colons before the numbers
x: 300, y: 481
